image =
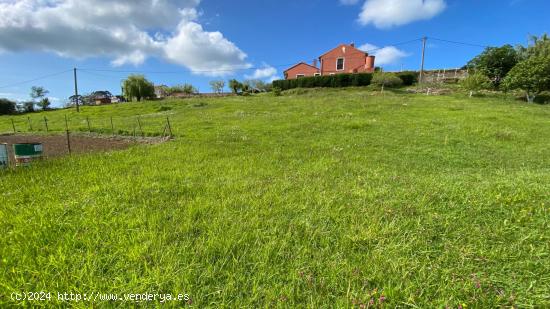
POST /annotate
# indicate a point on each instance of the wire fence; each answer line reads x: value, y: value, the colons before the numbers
x: 136, y: 126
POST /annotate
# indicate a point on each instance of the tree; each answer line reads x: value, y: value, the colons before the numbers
x: 189, y: 89
x: 138, y: 87
x: 531, y: 75
x: 38, y: 93
x: 235, y: 86
x: 495, y: 62
x: 540, y: 47
x: 7, y: 107
x: 475, y: 82
x: 217, y: 86
x: 386, y: 80
x: 44, y: 103
x: 74, y: 99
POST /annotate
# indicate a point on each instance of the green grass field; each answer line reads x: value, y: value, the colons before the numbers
x: 326, y: 199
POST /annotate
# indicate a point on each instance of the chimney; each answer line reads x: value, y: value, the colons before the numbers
x: 369, y: 65
x: 352, y: 44
x: 315, y: 62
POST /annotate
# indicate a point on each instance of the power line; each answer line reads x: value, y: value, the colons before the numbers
x: 34, y: 79
x: 459, y: 43
x: 392, y: 45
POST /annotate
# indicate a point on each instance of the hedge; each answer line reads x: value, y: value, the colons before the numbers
x: 327, y: 81
x: 409, y: 78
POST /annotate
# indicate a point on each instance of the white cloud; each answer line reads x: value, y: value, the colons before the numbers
x: 127, y: 31
x: 203, y: 51
x: 386, y: 55
x: 349, y: 2
x: 273, y: 78
x: 390, y: 13
x: 268, y: 73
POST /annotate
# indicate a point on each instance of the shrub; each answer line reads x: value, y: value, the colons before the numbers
x: 277, y: 91
x: 475, y: 82
x: 386, y: 80
x: 327, y: 81
x: 409, y: 78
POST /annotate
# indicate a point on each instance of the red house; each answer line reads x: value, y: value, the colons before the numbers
x: 342, y: 59
x: 302, y: 69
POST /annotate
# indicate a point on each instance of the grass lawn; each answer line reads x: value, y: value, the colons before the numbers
x: 326, y: 199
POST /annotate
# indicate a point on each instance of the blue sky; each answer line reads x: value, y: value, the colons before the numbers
x: 193, y: 41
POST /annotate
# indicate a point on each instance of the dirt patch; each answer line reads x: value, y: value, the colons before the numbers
x: 56, y: 145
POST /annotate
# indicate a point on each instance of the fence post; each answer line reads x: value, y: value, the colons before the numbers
x: 139, y: 124
x: 30, y: 124
x: 46, y: 124
x: 88, y: 122
x: 68, y: 134
x: 112, y: 126
x: 169, y: 127
x: 13, y: 125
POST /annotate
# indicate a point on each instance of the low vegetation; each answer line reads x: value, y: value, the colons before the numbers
x: 384, y: 80
x: 330, y: 198
x: 475, y: 82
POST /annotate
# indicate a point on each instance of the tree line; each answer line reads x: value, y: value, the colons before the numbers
x: 38, y: 99
x: 510, y: 68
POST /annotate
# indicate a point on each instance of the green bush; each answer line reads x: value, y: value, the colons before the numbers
x: 409, y: 78
x: 475, y: 82
x: 386, y: 80
x: 328, y: 81
x: 276, y: 91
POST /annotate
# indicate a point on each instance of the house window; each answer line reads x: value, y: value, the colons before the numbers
x: 340, y: 64
x: 316, y: 74
x: 300, y: 75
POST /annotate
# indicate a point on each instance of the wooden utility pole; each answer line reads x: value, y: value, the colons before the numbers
x: 76, y: 91
x: 421, y: 78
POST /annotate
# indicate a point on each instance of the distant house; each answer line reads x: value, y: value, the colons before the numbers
x: 345, y: 58
x: 100, y: 97
x: 161, y: 91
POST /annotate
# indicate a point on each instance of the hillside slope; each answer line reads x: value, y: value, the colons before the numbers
x: 331, y: 198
